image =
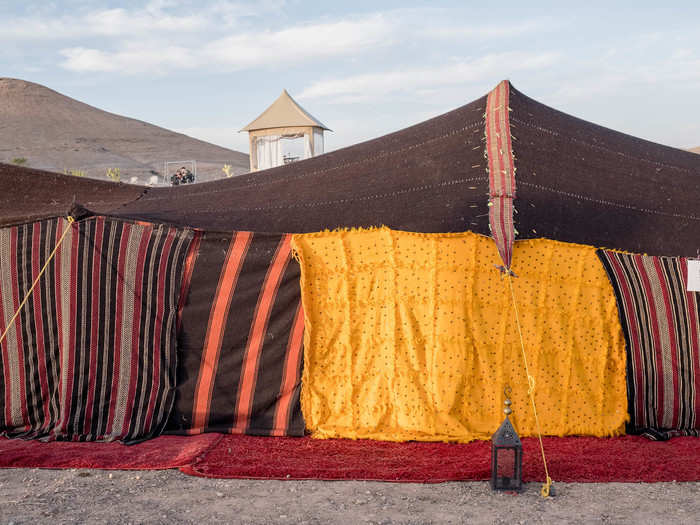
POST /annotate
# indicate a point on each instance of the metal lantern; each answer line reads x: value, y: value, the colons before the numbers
x: 506, y: 454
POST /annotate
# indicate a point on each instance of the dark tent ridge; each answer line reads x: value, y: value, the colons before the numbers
x: 29, y: 195
x: 576, y: 182
x: 580, y: 182
x: 428, y: 177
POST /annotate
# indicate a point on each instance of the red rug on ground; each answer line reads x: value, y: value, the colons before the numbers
x: 574, y: 459
x: 160, y: 453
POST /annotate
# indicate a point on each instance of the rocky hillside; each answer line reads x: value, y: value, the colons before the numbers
x: 57, y: 133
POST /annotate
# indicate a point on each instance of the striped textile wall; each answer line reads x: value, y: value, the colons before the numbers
x: 660, y: 321
x: 30, y: 351
x: 240, y: 337
x: 92, y: 354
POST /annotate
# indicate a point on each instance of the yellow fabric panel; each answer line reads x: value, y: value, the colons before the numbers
x: 412, y: 337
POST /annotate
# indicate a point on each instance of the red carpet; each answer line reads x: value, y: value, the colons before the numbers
x: 579, y: 459
x: 160, y: 453
x: 628, y: 458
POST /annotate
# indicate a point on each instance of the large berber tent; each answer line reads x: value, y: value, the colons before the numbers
x: 390, y: 290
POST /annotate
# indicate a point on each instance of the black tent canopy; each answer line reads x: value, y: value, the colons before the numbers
x: 575, y: 181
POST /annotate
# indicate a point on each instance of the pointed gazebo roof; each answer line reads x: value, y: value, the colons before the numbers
x: 284, y: 112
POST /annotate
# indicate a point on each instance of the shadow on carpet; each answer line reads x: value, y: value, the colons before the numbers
x: 163, y: 452
x: 570, y: 459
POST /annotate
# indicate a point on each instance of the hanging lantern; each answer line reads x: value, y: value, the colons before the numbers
x: 506, y: 454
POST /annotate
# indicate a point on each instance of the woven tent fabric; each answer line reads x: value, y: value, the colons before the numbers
x: 29, y: 390
x: 661, y: 323
x: 411, y: 337
x: 240, y: 338
x: 501, y: 168
x: 584, y: 183
x: 428, y: 177
x: 577, y: 182
x: 92, y: 354
x: 29, y: 195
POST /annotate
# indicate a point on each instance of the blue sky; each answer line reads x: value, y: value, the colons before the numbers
x: 207, y: 68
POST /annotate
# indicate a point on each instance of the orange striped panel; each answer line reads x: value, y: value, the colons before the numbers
x: 266, y: 299
x: 215, y: 330
x: 290, y: 375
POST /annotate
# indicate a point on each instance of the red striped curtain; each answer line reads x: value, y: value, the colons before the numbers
x: 240, y: 337
x: 92, y: 354
x: 661, y: 323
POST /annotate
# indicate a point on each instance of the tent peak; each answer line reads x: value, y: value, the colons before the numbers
x: 285, y: 112
x: 505, y: 81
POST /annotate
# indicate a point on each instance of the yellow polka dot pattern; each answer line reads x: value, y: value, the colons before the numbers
x: 412, y: 337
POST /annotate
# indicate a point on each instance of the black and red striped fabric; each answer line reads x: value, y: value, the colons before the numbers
x: 660, y: 321
x: 240, y: 337
x: 499, y: 153
x: 92, y: 354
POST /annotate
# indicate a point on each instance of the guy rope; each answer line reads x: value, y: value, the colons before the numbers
x: 71, y: 220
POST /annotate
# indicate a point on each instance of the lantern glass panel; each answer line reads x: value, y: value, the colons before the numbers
x: 506, y: 468
x: 506, y: 465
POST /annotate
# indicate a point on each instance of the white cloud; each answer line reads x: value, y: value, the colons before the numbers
x: 676, y: 70
x: 427, y: 81
x: 485, y: 31
x: 239, y: 51
x: 135, y: 60
x: 106, y: 23
x: 82, y: 59
x: 301, y: 43
x: 156, y: 17
x: 230, y: 36
x: 115, y: 22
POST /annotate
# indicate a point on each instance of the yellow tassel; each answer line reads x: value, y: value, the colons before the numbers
x: 546, y: 488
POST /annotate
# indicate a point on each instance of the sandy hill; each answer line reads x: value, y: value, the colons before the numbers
x: 695, y: 150
x: 55, y: 132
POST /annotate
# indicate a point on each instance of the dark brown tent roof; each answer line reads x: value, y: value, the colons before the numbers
x: 27, y: 194
x: 429, y: 177
x: 581, y: 182
x: 576, y: 182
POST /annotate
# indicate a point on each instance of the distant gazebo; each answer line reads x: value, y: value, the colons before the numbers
x: 284, y: 119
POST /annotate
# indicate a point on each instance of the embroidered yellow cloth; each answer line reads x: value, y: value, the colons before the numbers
x: 412, y: 337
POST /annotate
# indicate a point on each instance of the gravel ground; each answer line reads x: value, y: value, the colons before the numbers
x: 168, y: 496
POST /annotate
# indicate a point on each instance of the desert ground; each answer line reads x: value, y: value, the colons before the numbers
x: 168, y: 496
